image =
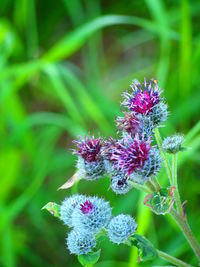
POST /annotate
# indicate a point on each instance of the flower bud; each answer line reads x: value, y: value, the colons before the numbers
x: 121, y: 228
x: 90, y: 162
x: 120, y: 185
x: 173, y: 144
x: 80, y: 242
x: 67, y: 207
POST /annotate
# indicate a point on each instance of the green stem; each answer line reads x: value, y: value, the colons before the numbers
x: 151, y: 186
x: 172, y: 259
x: 166, y: 161
x: 175, y: 183
x: 140, y: 187
x: 187, y: 232
x: 178, y: 217
x: 156, y: 183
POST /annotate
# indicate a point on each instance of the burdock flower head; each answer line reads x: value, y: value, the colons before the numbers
x: 79, y: 242
x: 90, y: 163
x: 129, y: 123
x: 143, y: 98
x: 133, y: 124
x: 92, y: 215
x: 130, y: 154
x: 121, y: 228
x: 145, y: 101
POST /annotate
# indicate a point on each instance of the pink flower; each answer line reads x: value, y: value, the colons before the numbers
x: 143, y: 98
x: 130, y: 154
x: 88, y: 148
x: 87, y: 207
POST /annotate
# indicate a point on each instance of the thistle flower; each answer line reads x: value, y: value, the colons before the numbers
x: 152, y: 165
x: 119, y: 184
x: 129, y: 123
x: 135, y: 124
x: 79, y: 242
x: 173, y: 144
x: 121, y: 228
x: 67, y: 207
x: 90, y: 163
x: 109, y: 147
x: 144, y: 97
x: 91, y: 215
x: 130, y: 154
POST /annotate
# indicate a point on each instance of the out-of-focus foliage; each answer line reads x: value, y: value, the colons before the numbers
x: 63, y: 67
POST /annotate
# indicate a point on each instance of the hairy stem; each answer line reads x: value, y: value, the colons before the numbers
x: 140, y: 187
x: 156, y: 183
x: 178, y: 217
x: 187, y: 232
x: 151, y: 186
x: 166, y: 161
x: 175, y: 183
x: 172, y: 259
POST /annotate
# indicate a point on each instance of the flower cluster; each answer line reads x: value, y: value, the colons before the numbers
x: 131, y: 156
x: 88, y: 216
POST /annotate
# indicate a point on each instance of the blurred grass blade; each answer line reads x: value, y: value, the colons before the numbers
x: 63, y: 94
x: 158, y: 12
x: 73, y: 41
x: 90, y: 107
x: 191, y: 134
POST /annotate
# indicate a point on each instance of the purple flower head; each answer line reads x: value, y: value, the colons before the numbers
x: 88, y: 148
x: 143, y: 98
x: 130, y: 154
x: 87, y: 207
x: 128, y: 123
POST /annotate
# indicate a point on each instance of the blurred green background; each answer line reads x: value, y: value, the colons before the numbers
x: 63, y: 67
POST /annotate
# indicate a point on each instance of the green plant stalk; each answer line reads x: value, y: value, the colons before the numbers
x: 181, y: 222
x: 156, y: 183
x: 187, y: 232
x: 175, y: 183
x: 172, y: 259
x: 151, y: 186
x: 140, y: 187
x: 166, y: 161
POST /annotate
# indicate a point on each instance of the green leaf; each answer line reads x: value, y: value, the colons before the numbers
x: 146, y: 250
x: 89, y: 259
x: 53, y: 208
x: 160, y: 202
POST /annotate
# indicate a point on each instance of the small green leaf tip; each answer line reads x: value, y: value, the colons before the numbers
x: 160, y: 202
x: 53, y: 208
x: 146, y: 250
x: 89, y: 259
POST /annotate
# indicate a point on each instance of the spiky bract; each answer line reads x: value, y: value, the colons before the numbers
x: 152, y: 165
x: 90, y: 170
